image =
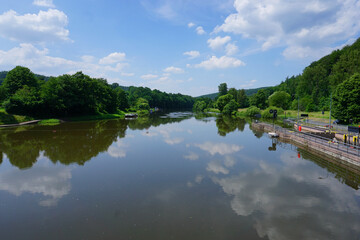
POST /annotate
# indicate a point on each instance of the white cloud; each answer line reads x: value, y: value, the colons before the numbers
x: 44, y: 3
x: 192, y: 156
x: 51, y: 182
x: 249, y: 84
x: 219, y: 148
x: 173, y: 69
x: 190, y: 24
x: 39, y: 61
x: 216, y: 167
x: 149, y: 76
x: 127, y: 74
x: 231, y: 49
x: 200, y: 30
x: 218, y: 42
x: 222, y: 62
x: 262, y: 190
x: 192, y: 54
x: 112, y: 58
x: 118, y: 149
x: 305, y: 29
x: 46, y: 26
x: 88, y: 58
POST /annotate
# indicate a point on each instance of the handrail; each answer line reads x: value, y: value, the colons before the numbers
x: 344, y: 147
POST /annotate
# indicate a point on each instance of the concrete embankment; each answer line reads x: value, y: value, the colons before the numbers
x: 342, y: 154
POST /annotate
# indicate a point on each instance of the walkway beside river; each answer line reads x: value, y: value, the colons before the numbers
x: 347, y: 154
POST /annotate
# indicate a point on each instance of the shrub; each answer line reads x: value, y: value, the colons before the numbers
x: 252, y: 111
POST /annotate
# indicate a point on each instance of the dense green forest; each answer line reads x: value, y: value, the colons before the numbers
x: 24, y: 93
x: 334, y: 78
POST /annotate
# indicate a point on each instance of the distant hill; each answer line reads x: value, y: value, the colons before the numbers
x: 4, y: 73
x: 248, y: 92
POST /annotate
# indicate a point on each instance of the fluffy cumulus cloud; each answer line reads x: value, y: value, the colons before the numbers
x: 192, y: 156
x: 40, y: 61
x: 52, y: 183
x: 173, y: 69
x: 218, y: 42
x: 118, y: 149
x: 306, y: 29
x: 222, y: 62
x: 46, y: 26
x: 190, y: 24
x: 231, y: 49
x: 192, y: 54
x: 44, y: 3
x: 113, y: 58
x: 263, y: 194
x: 219, y: 148
x: 200, y: 30
x: 149, y: 76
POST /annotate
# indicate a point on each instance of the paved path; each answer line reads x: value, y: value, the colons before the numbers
x: 20, y: 124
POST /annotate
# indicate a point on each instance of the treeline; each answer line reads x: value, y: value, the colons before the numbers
x: 334, y: 77
x: 227, y: 102
x: 23, y: 93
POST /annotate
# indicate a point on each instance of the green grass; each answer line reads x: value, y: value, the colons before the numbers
x: 212, y: 110
x: 6, y: 118
x: 49, y: 122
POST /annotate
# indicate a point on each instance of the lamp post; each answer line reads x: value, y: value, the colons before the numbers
x: 330, y: 113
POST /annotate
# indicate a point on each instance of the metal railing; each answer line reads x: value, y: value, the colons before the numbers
x: 340, y: 146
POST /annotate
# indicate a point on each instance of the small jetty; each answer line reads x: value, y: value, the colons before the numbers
x: 131, y: 115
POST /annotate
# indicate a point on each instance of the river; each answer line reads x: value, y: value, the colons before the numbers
x: 170, y: 176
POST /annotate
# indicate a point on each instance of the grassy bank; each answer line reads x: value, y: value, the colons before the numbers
x: 49, y: 122
x: 6, y: 118
x: 316, y: 116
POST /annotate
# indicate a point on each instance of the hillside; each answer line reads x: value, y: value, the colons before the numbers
x: 248, y: 92
x: 4, y: 73
x: 314, y: 86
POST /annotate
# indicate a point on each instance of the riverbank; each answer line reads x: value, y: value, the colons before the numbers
x: 345, y: 155
x: 10, y: 120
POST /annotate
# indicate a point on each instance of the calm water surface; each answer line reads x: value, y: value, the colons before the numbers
x: 175, y: 176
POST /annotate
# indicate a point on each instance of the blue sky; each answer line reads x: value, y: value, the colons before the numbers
x: 186, y: 46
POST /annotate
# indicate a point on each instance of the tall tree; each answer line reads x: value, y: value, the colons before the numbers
x: 223, y: 89
x: 346, y: 100
x: 242, y: 99
x: 17, y: 78
x: 259, y: 99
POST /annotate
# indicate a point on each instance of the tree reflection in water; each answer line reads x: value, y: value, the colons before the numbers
x: 67, y: 143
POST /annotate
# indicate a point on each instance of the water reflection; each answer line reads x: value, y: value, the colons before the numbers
x: 227, y: 124
x: 283, y: 199
x: 76, y: 142
x: 176, y: 179
x: 51, y: 181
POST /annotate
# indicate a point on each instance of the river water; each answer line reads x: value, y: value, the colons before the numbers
x: 172, y: 176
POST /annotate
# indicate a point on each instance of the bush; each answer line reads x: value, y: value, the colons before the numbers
x: 199, y: 106
x: 252, y: 111
x: 230, y: 107
x: 266, y: 113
